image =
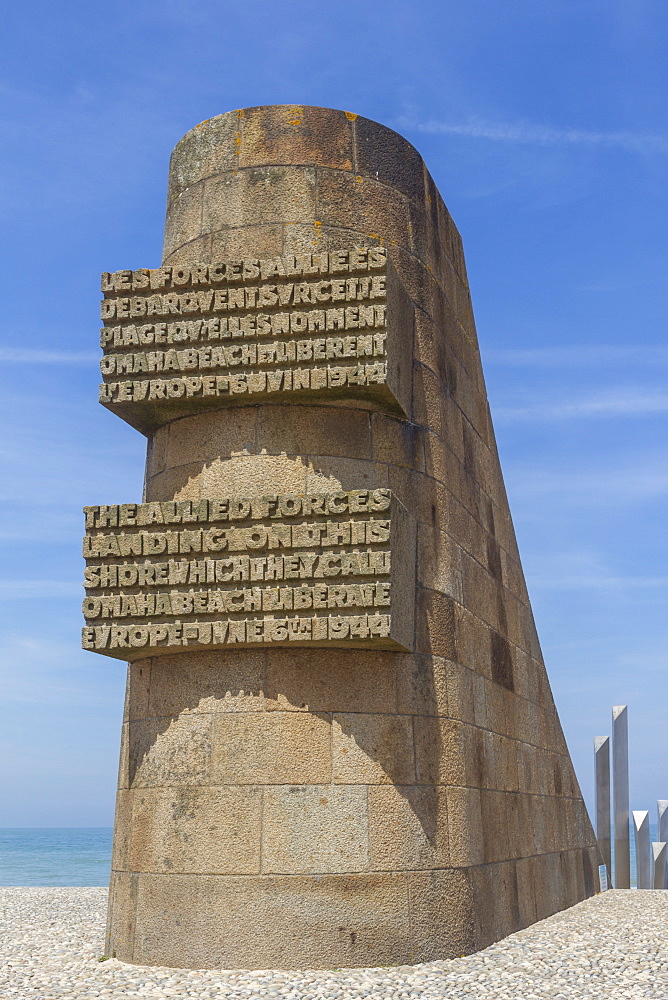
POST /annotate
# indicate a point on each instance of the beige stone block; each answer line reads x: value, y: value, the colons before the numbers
x: 518, y: 622
x: 420, y: 284
x: 451, y: 239
x: 253, y: 475
x: 439, y: 562
x: 454, y: 425
x: 209, y: 148
x: 361, y: 203
x: 213, y: 435
x: 506, y: 751
x: 526, y: 716
x: 482, y: 593
x: 427, y: 390
x: 260, y: 241
x: 442, y: 464
x: 513, y: 577
x: 170, y: 750
x: 465, y: 309
x: 537, y: 809
x: 436, y: 237
x: 566, y: 783
x: 408, y: 827
x: 480, y: 712
x: 389, y: 158
x: 289, y: 133
x: 528, y: 768
x: 495, y: 902
x: 120, y: 935
x: 258, y: 195
x: 314, y: 430
x: 480, y: 764
x: 188, y: 254
x: 298, y: 922
x: 122, y: 830
x: 333, y: 680
x: 575, y: 873
x: 439, y: 751
x: 524, y: 676
x: 184, y: 219
x: 315, y: 237
x: 435, y: 624
x: 431, y: 351
x: 124, y: 757
x: 477, y: 457
x: 497, y: 836
x: 325, y: 475
x: 314, y: 829
x: 462, y: 693
x: 465, y: 827
x: 430, y: 501
x: 156, y: 452
x: 421, y: 685
x: 174, y: 484
x: 473, y: 643
x: 526, y: 890
x: 397, y: 442
x: 482, y: 761
x: 424, y: 236
x: 523, y: 809
x: 441, y: 904
x: 591, y: 859
x: 372, y: 749
x: 137, y: 691
x: 271, y: 748
x: 547, y: 880
x: 205, y: 830
x: 207, y: 682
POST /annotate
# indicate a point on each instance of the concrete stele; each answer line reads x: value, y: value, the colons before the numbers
x: 643, y: 854
x: 602, y: 783
x: 658, y: 864
x: 620, y: 791
x: 662, y: 819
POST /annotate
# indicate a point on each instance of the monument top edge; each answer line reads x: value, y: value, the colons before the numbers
x: 295, y: 114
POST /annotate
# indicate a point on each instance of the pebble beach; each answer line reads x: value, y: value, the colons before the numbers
x: 614, y: 945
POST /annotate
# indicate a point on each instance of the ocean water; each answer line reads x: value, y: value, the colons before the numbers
x: 59, y: 856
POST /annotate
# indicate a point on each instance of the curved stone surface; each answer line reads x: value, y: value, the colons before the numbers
x: 345, y: 807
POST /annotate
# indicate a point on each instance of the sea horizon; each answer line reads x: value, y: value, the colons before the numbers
x: 74, y: 856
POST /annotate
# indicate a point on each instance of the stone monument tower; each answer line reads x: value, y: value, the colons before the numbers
x: 340, y: 746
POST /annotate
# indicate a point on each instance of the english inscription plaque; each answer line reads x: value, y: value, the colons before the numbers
x: 335, y: 569
x: 181, y: 339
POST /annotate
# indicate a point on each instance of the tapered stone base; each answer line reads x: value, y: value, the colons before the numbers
x: 277, y: 811
x: 332, y: 921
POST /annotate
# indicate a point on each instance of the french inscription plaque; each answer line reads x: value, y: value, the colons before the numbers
x: 177, y: 340
x: 335, y: 569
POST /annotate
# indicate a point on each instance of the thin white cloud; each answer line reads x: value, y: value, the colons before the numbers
x: 577, y: 356
x: 599, y: 582
x: 526, y: 133
x: 598, y: 486
x: 29, y: 356
x: 616, y: 403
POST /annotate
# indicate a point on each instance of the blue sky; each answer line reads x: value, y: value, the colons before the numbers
x: 544, y: 125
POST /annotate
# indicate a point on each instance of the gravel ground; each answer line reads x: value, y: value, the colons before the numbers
x: 614, y: 945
